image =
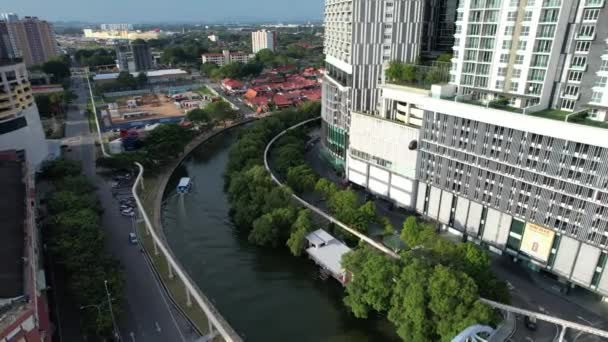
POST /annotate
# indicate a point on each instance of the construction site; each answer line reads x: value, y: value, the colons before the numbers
x: 149, y: 108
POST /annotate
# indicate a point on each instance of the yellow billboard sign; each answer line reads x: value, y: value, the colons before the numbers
x: 537, y: 242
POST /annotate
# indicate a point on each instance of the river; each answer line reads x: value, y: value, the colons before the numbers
x: 266, y: 295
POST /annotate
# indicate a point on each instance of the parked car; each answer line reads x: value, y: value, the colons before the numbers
x: 132, y: 239
x: 128, y: 214
x: 530, y: 323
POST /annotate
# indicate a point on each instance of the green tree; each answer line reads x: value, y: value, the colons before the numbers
x: 366, y: 215
x: 60, y: 168
x: 199, y: 117
x: 394, y: 71
x: 266, y: 57
x: 415, y: 234
x: 208, y: 68
x: 371, y: 287
x: 220, y: 111
x: 167, y: 142
x: 408, y: 73
x: 59, y: 68
x: 299, y: 230
x: 344, y: 205
x: 454, y: 302
x: 326, y: 188
x: 126, y: 81
x: 142, y: 79
x: 270, y: 229
x: 445, y: 58
x: 301, y: 178
x: 409, y: 303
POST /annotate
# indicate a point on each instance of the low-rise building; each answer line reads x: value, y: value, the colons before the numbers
x: 154, y: 76
x: 233, y: 86
x: 225, y: 57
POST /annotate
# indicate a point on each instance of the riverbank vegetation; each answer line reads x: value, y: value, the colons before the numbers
x: 76, y: 242
x: 162, y: 145
x: 260, y: 208
x: 430, y: 294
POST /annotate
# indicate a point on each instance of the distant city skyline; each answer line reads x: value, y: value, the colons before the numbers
x: 150, y: 11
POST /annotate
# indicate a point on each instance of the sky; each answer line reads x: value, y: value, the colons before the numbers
x: 166, y: 11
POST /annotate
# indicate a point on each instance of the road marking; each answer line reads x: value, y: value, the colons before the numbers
x: 157, y: 327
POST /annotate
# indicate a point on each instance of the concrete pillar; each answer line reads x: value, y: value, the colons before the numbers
x: 562, y: 335
x: 188, y: 298
x: 170, y: 269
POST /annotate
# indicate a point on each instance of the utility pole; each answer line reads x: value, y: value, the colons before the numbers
x: 116, y: 332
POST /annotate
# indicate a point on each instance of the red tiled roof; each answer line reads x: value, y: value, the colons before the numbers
x: 281, y: 100
x: 260, y: 100
x: 312, y: 95
x: 234, y: 84
x: 251, y: 93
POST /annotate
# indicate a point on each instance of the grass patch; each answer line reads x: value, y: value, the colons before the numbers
x: 205, y: 91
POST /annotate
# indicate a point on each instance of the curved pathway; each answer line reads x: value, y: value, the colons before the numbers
x: 555, y: 320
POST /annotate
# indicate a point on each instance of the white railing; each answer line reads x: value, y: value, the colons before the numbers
x: 555, y: 320
x: 103, y: 148
x: 318, y: 211
x: 192, y: 291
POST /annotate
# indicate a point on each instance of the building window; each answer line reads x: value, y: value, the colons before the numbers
x: 519, y: 59
x: 506, y: 44
x: 543, y: 46
x: 516, y: 73
x: 521, y: 45
x: 546, y: 31
x: 601, y: 81
x: 525, y: 30
x: 500, y: 85
x: 568, y: 104
x: 539, y: 61
x: 583, y: 46
x: 504, y: 58
x: 586, y: 31
x: 502, y: 71
x: 514, y: 86
x: 509, y: 30
x: 591, y: 14
x: 536, y: 75
x: 527, y: 16
x: 571, y: 90
x: 579, y: 61
x: 596, y: 97
x: 511, y: 16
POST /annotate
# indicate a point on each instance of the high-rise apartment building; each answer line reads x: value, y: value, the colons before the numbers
x: 20, y: 127
x: 263, y: 39
x: 522, y: 185
x: 30, y: 38
x: 533, y: 53
x: 134, y: 56
x: 361, y: 37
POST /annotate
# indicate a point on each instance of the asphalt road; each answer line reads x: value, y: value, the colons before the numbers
x: 236, y: 100
x: 148, y: 314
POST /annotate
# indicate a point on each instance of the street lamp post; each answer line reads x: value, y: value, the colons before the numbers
x: 116, y: 333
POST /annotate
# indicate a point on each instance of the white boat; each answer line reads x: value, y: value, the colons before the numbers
x: 184, y: 186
